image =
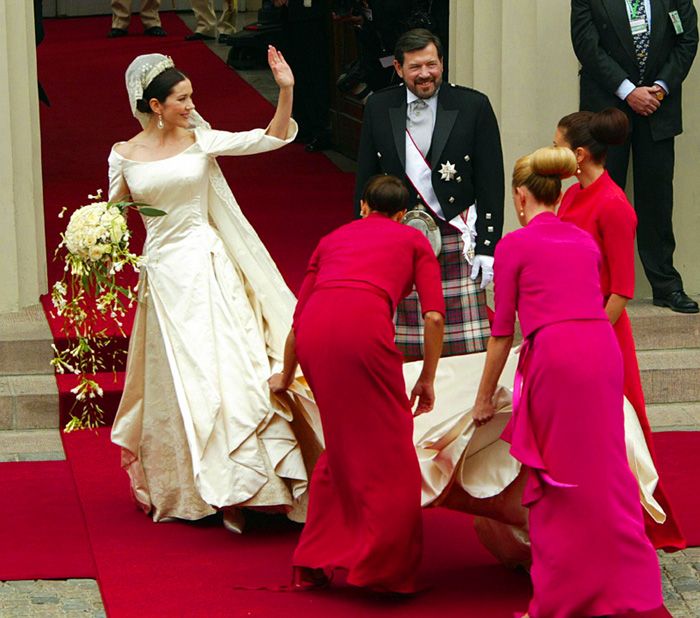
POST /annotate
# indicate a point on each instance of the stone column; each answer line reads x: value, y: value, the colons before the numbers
x: 519, y: 53
x: 23, y: 257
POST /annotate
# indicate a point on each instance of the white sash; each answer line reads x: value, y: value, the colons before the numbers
x: 420, y: 174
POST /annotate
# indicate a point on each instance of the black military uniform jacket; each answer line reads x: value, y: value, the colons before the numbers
x: 602, y: 40
x: 465, y: 135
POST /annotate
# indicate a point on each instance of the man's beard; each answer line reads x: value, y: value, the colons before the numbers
x: 421, y: 95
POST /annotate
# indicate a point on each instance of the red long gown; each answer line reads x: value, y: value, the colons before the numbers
x: 602, y: 209
x: 365, y: 498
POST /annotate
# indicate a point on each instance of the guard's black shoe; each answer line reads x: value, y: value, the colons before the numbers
x: 115, y: 33
x: 678, y: 301
x: 155, y: 31
x: 198, y: 36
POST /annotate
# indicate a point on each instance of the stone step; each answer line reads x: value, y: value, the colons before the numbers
x: 661, y: 328
x: 25, y: 343
x: 28, y: 402
x: 674, y: 416
x: 31, y: 445
x: 670, y: 376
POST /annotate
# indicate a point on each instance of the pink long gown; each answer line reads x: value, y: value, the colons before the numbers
x: 365, y: 498
x: 590, y: 554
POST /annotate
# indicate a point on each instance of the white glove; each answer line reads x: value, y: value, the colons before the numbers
x: 482, y: 264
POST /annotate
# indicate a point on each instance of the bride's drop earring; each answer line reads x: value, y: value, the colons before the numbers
x: 160, y: 121
x: 578, y: 171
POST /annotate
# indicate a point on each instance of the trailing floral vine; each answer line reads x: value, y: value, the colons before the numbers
x: 93, y: 297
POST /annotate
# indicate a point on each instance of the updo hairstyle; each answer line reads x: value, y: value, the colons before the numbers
x: 385, y: 194
x: 595, y: 131
x: 542, y: 172
x: 160, y: 88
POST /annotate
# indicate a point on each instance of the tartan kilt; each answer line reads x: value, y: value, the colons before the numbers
x: 467, y: 327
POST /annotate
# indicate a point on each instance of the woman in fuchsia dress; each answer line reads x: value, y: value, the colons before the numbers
x: 590, y: 554
x: 598, y: 205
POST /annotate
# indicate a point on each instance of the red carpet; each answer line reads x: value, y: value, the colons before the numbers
x: 180, y: 569
x: 42, y: 530
x: 291, y: 197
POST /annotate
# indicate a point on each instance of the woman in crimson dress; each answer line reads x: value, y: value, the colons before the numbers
x: 598, y: 205
x: 590, y: 554
x: 364, y: 511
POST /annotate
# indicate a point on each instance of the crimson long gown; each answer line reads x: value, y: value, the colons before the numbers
x: 364, y: 511
x: 602, y: 209
x: 590, y: 553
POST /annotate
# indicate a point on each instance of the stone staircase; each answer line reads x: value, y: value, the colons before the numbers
x: 28, y: 393
x: 668, y: 350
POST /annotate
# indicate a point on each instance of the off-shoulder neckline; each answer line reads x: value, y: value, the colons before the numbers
x: 194, y: 143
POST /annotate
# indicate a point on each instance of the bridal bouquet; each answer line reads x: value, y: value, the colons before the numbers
x: 93, y: 296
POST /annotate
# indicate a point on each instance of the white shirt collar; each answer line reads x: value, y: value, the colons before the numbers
x: 432, y: 101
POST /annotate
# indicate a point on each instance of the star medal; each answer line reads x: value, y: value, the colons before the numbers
x: 447, y: 171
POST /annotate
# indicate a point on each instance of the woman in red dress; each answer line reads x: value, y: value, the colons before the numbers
x: 365, y: 498
x: 590, y: 555
x: 598, y: 205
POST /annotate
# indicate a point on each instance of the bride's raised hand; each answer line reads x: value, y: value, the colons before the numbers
x: 280, y: 69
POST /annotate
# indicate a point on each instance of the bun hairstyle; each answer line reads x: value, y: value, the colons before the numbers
x: 542, y: 172
x: 385, y: 194
x: 595, y: 132
x: 160, y: 88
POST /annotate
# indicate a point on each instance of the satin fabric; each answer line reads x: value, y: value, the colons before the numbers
x: 454, y: 453
x: 221, y: 312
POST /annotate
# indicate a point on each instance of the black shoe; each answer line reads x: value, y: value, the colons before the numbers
x: 155, y: 31
x: 677, y: 301
x: 198, y: 36
x: 226, y: 39
x: 115, y: 33
x: 318, y: 143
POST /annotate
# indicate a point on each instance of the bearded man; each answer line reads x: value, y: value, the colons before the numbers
x: 443, y: 140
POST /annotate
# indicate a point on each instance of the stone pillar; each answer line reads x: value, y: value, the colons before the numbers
x: 519, y: 53
x: 22, y: 245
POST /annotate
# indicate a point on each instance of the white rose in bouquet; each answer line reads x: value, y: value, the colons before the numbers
x: 95, y: 248
x: 95, y: 230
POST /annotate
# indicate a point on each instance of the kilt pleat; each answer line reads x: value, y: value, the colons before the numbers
x: 467, y: 327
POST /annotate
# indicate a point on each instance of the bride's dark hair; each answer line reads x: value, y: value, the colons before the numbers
x: 160, y: 88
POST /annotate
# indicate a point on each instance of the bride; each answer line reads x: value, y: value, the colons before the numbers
x: 198, y: 428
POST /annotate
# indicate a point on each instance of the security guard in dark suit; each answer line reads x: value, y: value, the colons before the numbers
x: 305, y: 44
x: 466, y: 162
x: 634, y: 55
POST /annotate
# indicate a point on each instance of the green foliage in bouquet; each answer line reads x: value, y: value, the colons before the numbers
x: 92, y: 295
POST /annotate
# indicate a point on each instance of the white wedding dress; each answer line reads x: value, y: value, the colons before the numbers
x: 196, y: 423
x: 469, y: 468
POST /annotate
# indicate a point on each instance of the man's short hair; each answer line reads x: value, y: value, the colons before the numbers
x: 412, y: 40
